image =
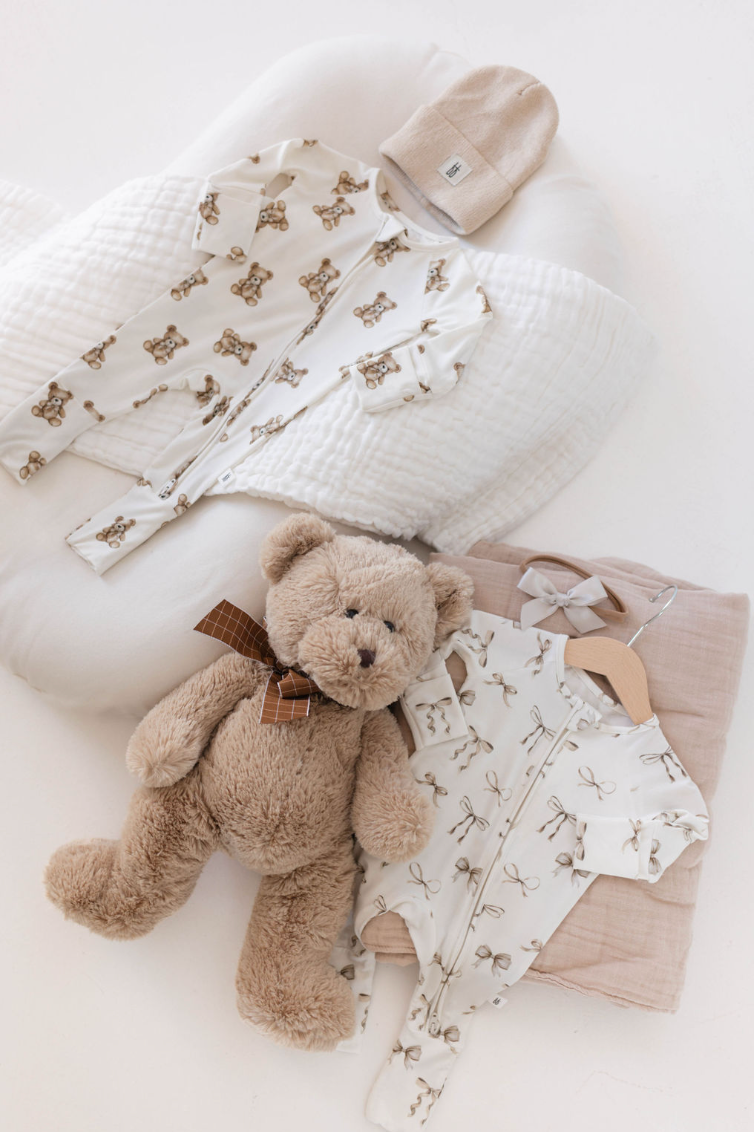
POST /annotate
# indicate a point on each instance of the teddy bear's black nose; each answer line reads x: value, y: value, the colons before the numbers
x: 367, y: 657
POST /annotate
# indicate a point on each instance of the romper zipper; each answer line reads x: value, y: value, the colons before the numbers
x: 325, y: 302
x: 449, y: 972
x: 272, y: 369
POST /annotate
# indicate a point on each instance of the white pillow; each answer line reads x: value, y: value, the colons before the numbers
x: 121, y: 641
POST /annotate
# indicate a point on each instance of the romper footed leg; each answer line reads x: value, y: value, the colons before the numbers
x: 124, y: 524
x: 286, y: 987
x: 121, y: 889
x: 406, y: 1092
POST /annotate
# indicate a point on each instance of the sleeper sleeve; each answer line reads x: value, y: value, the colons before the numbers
x: 668, y: 814
x: 454, y: 314
x: 232, y: 198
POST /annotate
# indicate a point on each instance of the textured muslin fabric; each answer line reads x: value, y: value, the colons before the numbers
x: 628, y: 943
x: 465, y: 154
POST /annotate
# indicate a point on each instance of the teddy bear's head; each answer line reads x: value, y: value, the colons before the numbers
x: 360, y: 617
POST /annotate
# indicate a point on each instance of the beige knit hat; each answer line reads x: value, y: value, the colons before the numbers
x: 465, y: 154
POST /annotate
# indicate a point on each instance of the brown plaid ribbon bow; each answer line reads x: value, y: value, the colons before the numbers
x: 288, y: 693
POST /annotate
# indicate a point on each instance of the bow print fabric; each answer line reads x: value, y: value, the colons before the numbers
x: 549, y: 787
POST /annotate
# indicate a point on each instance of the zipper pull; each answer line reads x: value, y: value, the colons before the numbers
x: 166, y: 488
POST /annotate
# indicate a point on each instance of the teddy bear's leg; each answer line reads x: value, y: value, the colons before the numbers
x: 286, y: 987
x: 121, y: 889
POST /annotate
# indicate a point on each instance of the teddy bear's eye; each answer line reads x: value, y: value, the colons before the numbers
x: 389, y: 625
x: 351, y: 612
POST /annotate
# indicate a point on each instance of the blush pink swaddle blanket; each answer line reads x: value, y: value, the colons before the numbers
x: 623, y: 941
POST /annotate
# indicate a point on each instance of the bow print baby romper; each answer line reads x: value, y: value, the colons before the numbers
x: 324, y: 281
x: 541, y: 783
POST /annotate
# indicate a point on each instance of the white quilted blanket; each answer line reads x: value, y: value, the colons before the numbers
x: 553, y: 368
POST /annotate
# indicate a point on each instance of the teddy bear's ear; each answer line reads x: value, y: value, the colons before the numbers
x: 290, y: 539
x: 453, y: 593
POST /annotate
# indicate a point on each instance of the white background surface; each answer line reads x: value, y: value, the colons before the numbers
x: 656, y: 102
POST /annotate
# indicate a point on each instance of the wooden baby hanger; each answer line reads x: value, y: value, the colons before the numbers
x: 606, y: 656
x: 619, y: 663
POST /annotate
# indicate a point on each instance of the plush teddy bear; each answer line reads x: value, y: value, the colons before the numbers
x: 96, y: 356
x: 185, y: 287
x: 52, y: 409
x: 330, y: 214
x: 231, y: 344
x: 360, y: 618
x: 274, y: 216
x: 250, y: 287
x: 436, y: 281
x: 219, y: 409
x: 288, y: 373
x: 208, y: 208
x: 375, y: 370
x: 317, y: 282
x: 348, y: 184
x: 385, y: 250
x: 373, y: 312
x: 32, y: 467
x: 115, y: 534
x: 164, y: 348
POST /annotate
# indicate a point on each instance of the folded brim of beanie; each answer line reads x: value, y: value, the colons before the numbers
x: 428, y: 143
x: 466, y: 153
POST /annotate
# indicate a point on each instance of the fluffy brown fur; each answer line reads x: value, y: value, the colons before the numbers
x: 281, y: 798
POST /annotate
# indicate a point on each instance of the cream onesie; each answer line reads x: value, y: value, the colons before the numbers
x: 315, y: 278
x: 541, y: 783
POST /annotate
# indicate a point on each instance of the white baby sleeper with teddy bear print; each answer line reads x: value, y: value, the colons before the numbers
x: 322, y: 282
x: 541, y: 783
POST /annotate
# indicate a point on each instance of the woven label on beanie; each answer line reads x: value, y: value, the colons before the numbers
x: 454, y: 169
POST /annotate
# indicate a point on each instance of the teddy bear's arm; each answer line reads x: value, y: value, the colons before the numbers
x: 170, y: 739
x: 391, y: 816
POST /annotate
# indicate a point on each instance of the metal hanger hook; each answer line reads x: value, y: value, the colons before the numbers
x: 657, y: 597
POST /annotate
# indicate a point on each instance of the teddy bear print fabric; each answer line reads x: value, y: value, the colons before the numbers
x: 541, y: 783
x: 319, y: 283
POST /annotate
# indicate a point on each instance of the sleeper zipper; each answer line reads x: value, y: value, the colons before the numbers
x: 433, y: 1022
x: 168, y: 488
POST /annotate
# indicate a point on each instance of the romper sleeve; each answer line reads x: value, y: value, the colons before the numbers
x: 231, y: 198
x: 669, y: 814
x: 454, y: 313
x: 431, y: 706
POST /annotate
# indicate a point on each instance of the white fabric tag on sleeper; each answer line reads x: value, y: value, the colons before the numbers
x: 226, y: 477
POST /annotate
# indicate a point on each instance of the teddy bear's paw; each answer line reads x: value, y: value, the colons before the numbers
x: 163, y: 750
x: 313, y: 1011
x: 76, y: 876
x: 79, y: 880
x: 401, y: 829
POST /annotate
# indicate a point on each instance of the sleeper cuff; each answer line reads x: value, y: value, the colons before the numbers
x: 398, y: 377
x: 432, y: 710
x: 618, y: 846
x: 226, y: 220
